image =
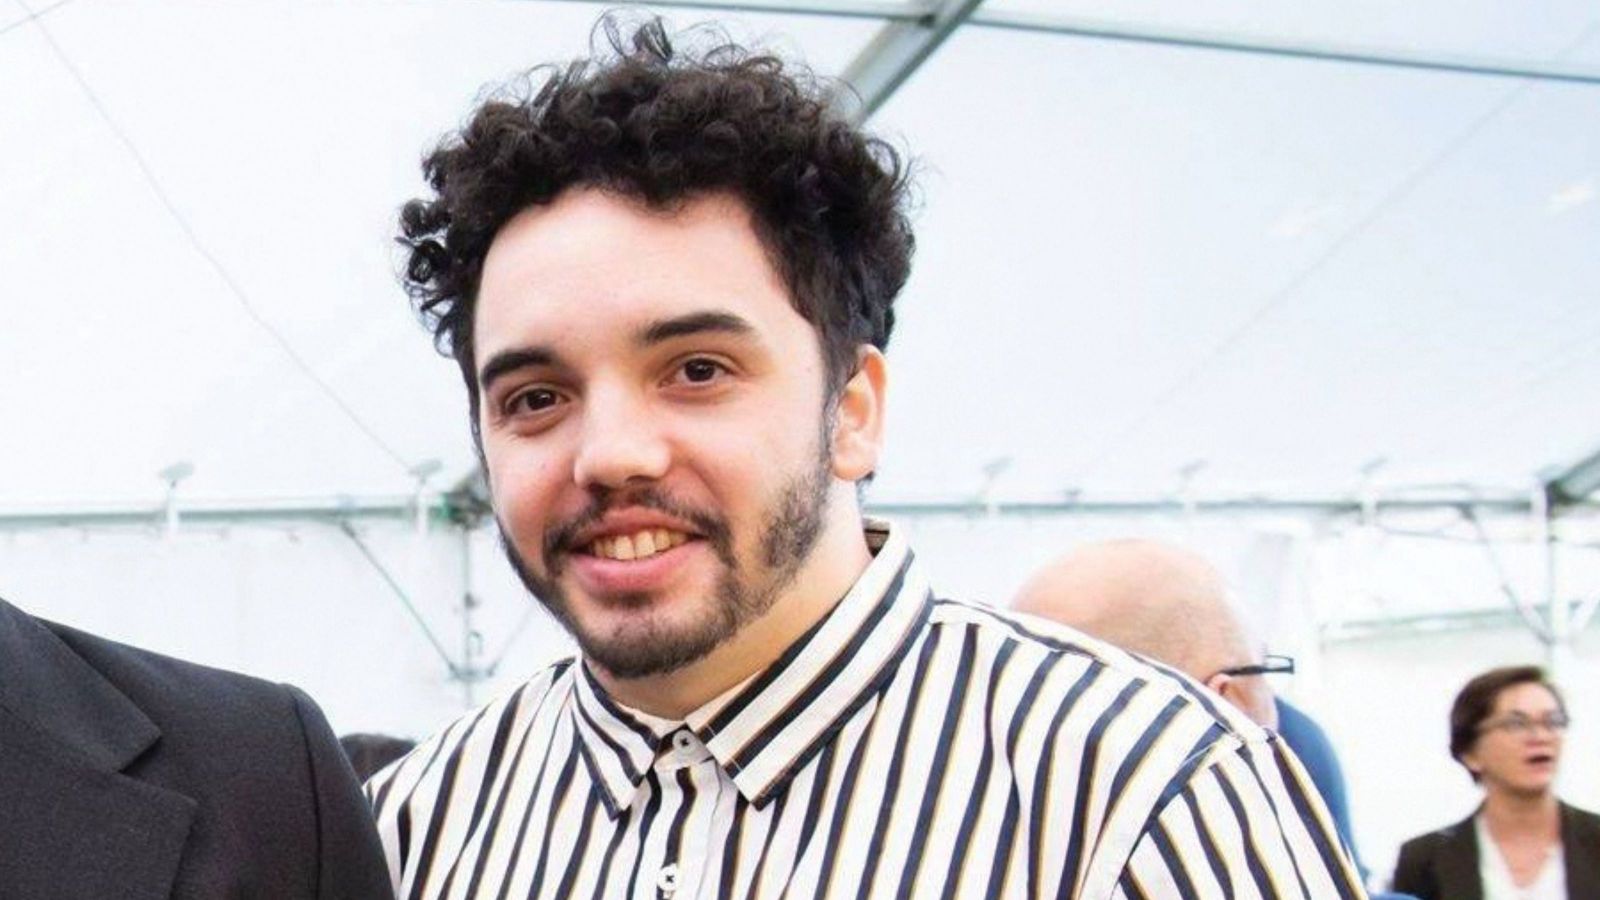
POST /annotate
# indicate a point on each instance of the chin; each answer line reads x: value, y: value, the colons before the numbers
x: 1533, y: 788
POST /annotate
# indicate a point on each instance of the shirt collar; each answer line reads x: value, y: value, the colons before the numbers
x: 616, y: 743
x: 764, y: 730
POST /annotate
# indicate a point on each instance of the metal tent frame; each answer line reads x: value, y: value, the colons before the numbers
x: 909, y: 34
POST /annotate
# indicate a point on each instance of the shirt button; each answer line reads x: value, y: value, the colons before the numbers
x: 667, y: 880
x: 683, y: 740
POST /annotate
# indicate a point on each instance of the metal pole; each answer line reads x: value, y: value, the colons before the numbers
x: 1558, y: 652
x: 1235, y: 42
x: 472, y: 670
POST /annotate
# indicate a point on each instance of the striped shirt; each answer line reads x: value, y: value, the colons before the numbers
x: 905, y: 746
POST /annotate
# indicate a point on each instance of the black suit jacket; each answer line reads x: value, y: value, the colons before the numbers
x: 130, y: 776
x: 1443, y: 864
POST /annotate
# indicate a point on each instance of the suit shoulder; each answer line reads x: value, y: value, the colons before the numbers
x: 1420, y: 845
x: 1583, y: 819
x: 186, y: 699
x: 1428, y: 843
x: 271, y: 788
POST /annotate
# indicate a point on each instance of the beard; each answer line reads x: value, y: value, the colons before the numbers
x: 790, y: 525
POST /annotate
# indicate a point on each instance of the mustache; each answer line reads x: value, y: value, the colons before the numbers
x: 559, y: 538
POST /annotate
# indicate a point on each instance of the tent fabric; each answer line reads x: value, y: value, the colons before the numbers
x: 1132, y: 257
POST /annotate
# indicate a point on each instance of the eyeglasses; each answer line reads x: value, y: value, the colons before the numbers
x: 1271, y: 664
x: 1518, y: 724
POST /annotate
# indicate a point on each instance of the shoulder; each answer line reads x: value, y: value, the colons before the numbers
x: 271, y: 787
x: 1140, y: 756
x: 235, y: 743
x: 1419, y: 847
x: 188, y: 701
x: 394, y: 787
x: 453, y: 768
x: 1581, y: 819
x: 1425, y: 846
x: 1106, y: 665
x: 1139, y: 728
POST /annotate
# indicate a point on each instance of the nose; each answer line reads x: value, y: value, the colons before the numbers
x: 621, y: 442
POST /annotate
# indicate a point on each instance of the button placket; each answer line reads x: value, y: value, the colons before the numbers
x: 682, y: 877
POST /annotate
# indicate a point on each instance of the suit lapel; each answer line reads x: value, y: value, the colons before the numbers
x: 1580, y: 843
x: 1460, y: 877
x: 74, y: 825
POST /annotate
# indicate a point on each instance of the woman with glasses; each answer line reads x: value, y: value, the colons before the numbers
x: 1506, y: 729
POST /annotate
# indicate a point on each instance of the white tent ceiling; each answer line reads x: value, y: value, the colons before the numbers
x: 1132, y: 255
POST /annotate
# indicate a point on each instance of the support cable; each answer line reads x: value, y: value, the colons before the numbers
x: 1523, y: 609
x: 232, y: 284
x: 405, y: 600
x: 30, y: 16
x: 1584, y: 613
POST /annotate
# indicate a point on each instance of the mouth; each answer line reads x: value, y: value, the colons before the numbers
x: 638, y: 545
x: 627, y: 562
x: 1541, y: 759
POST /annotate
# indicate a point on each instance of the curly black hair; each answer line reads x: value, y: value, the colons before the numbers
x: 662, y: 126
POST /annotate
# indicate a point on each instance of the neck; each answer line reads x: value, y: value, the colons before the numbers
x: 1512, y: 813
x: 839, y: 558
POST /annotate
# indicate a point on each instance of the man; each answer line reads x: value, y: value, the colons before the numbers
x: 1172, y: 606
x: 1159, y: 601
x: 668, y: 281
x: 128, y: 775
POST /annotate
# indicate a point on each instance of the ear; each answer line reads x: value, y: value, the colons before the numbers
x: 1223, y: 686
x: 1239, y: 694
x: 858, y: 417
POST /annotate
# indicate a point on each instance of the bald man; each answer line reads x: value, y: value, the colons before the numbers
x: 1159, y: 601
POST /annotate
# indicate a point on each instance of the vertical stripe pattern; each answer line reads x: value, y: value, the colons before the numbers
x: 905, y: 746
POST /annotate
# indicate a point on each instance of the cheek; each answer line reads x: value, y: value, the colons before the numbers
x: 1490, y: 755
x: 524, y: 487
x: 732, y: 456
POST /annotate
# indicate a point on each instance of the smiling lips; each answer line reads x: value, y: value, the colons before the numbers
x: 642, y: 544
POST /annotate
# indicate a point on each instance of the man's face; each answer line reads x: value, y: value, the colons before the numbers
x: 654, y: 423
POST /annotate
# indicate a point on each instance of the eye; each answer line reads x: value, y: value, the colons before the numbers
x: 700, y: 370
x: 534, y: 400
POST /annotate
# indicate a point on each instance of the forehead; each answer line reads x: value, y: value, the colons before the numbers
x: 594, y: 265
x: 1527, y: 697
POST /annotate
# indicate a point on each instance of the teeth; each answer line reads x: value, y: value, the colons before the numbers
x: 641, y: 545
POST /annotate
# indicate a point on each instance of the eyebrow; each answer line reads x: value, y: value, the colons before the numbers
x: 507, y: 361
x: 710, y: 321
x: 693, y: 323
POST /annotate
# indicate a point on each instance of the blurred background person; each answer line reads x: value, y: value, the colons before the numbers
x: 1522, y: 843
x: 1160, y: 601
x: 368, y: 753
x: 1169, y: 604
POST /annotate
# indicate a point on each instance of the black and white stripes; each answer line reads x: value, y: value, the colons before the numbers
x: 905, y: 747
